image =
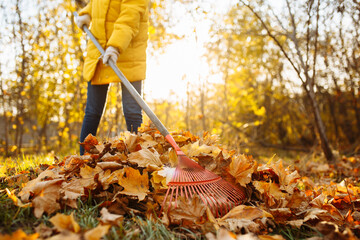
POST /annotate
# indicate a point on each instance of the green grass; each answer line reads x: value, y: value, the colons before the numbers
x: 11, y: 166
x: 293, y: 233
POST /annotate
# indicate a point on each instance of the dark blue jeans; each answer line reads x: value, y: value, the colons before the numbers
x: 96, y: 98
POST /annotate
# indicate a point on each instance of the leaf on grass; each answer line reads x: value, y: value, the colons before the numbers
x: 241, y: 168
x: 134, y: 183
x: 110, y: 218
x: 16, y: 200
x: 47, y: 196
x: 26, y: 192
x: 97, y: 233
x: 64, y: 222
x: 19, y: 235
x: 66, y: 236
x: 146, y: 158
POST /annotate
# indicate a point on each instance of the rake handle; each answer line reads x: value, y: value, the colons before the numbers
x: 133, y: 91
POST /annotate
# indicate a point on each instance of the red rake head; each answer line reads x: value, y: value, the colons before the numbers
x: 190, y: 178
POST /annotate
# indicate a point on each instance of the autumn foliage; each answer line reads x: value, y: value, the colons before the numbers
x: 129, y: 174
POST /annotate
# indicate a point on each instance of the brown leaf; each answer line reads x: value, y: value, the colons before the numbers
x: 47, y: 196
x: 187, y: 212
x: 88, y: 175
x: 26, y: 192
x: 72, y: 190
x: 146, y: 158
x: 110, y: 218
x: 110, y: 165
x: 106, y: 178
x: 89, y: 142
x: 246, y: 212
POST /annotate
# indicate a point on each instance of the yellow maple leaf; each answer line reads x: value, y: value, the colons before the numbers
x: 242, y: 168
x: 88, y: 175
x: 106, y: 178
x: 64, y: 222
x: 134, y: 183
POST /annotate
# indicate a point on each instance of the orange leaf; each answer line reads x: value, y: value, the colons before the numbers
x: 134, y: 183
x: 97, y: 233
x: 242, y: 167
x: 19, y: 235
x: 64, y: 222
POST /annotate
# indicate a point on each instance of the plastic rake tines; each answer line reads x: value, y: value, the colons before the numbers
x: 190, y: 179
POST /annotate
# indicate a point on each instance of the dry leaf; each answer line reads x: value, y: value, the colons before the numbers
x: 110, y: 218
x: 146, y: 158
x: 72, y: 190
x: 187, y: 212
x: 16, y: 200
x: 241, y: 168
x: 97, y: 233
x: 29, y: 187
x: 107, y: 178
x: 246, y: 212
x: 47, y: 196
x: 64, y: 222
x: 134, y: 183
x: 110, y: 165
x: 88, y: 175
x: 19, y: 235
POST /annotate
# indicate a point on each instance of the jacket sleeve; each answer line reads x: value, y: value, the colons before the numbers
x: 127, y: 25
x: 86, y: 10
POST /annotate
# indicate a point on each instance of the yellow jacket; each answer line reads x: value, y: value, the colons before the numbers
x: 122, y: 24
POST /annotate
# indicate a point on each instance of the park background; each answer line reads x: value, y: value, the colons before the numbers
x: 266, y: 78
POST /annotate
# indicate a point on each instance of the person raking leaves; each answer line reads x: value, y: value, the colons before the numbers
x: 121, y: 27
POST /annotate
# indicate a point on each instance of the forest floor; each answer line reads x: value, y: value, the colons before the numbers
x: 116, y: 190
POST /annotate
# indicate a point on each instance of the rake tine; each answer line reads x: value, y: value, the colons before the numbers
x: 176, y: 195
x: 210, y: 201
x: 213, y: 198
x: 171, y: 197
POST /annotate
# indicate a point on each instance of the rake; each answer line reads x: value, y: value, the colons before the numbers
x: 189, y: 178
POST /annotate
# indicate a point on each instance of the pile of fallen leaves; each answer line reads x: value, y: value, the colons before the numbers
x: 129, y: 175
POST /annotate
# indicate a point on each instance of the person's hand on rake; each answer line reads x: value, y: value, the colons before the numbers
x: 83, y: 20
x: 112, y: 54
